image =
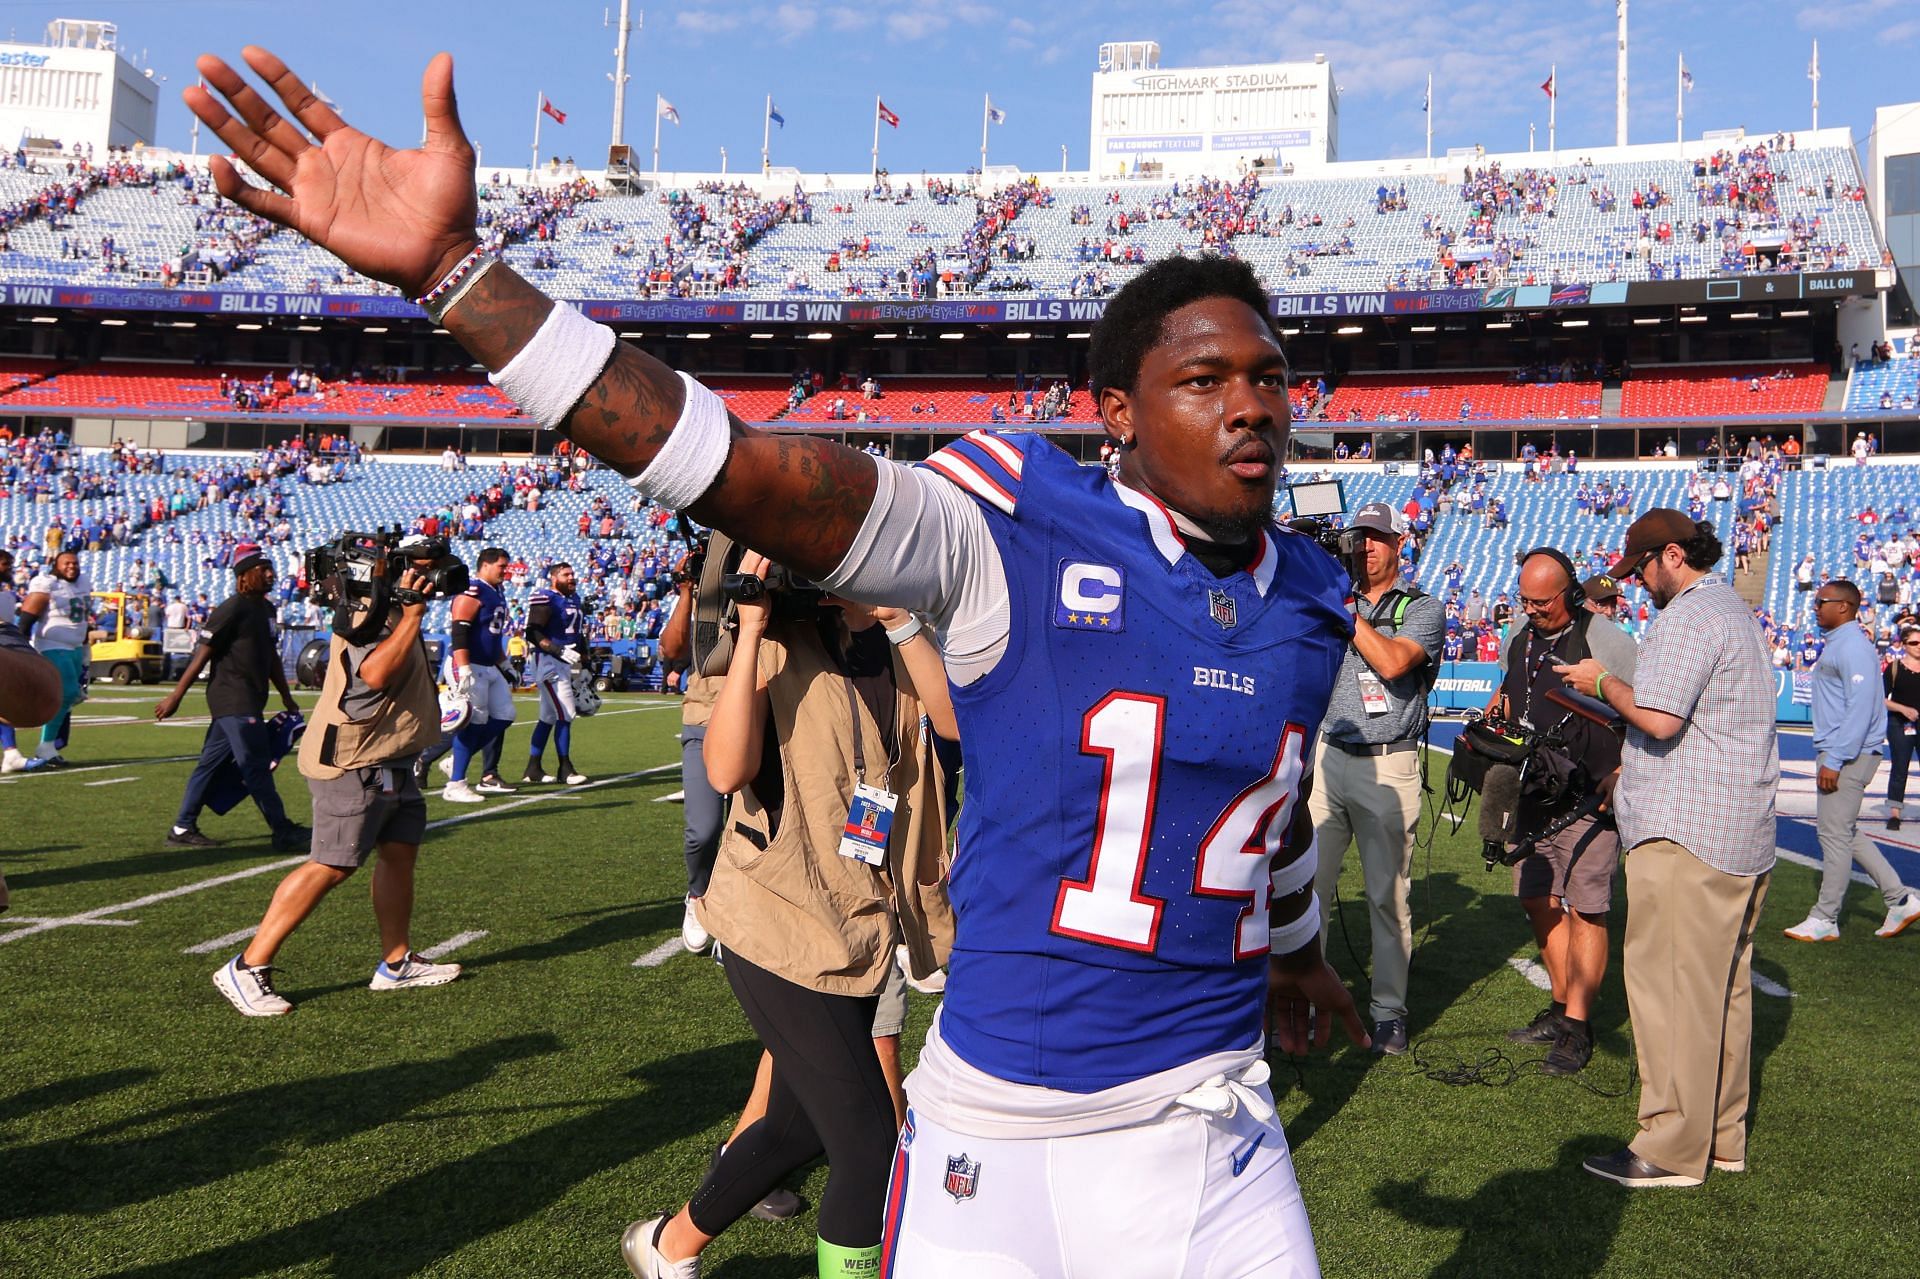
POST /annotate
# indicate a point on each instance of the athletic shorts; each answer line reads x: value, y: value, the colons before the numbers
x: 492, y: 694
x: 364, y: 807
x: 1591, y: 849
x: 891, y: 1015
x: 1189, y: 1196
x: 554, y: 680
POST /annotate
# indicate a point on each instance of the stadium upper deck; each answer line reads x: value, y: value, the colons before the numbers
x: 1637, y: 214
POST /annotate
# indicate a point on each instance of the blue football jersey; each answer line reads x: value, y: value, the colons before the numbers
x: 565, y: 618
x: 1134, y: 763
x: 487, y: 641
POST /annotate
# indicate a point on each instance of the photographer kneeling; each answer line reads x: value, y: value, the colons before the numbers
x: 1566, y: 883
x: 378, y: 709
x: 833, y: 852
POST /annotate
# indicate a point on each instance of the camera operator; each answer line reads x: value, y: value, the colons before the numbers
x: 378, y: 709
x: 239, y: 640
x: 1696, y: 814
x: 1367, y: 766
x: 704, y: 810
x: 834, y: 853
x: 1566, y: 883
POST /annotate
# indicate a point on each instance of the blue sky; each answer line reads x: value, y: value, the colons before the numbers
x: 931, y: 60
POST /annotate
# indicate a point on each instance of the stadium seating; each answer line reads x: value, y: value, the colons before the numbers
x: 939, y: 400
x: 1725, y: 390
x: 1439, y: 397
x: 174, y: 388
x: 1354, y: 247
x: 1898, y: 379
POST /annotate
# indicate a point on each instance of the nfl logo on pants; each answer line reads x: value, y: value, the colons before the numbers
x: 963, y: 1177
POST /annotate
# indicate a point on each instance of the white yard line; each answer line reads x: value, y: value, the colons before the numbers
x: 101, y: 768
x: 221, y: 943
x: 99, y: 913
x: 1532, y: 971
x: 110, y: 781
x: 452, y: 944
x: 1768, y: 986
x: 661, y: 954
x: 39, y: 919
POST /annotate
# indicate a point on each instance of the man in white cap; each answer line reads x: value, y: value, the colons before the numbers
x: 1367, y: 764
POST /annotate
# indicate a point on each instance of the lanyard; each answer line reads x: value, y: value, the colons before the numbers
x: 1534, y: 664
x: 859, y: 749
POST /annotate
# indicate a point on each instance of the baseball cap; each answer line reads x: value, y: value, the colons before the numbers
x: 1647, y: 535
x: 1379, y: 517
x: 245, y: 556
x: 1600, y: 588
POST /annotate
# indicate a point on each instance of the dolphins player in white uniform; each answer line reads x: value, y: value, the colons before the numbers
x: 58, y: 611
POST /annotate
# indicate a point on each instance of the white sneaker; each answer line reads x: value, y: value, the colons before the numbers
x: 1813, y: 928
x: 445, y: 765
x: 644, y: 1260
x: 692, y: 935
x: 1899, y: 916
x: 412, y: 971
x: 461, y: 793
x: 548, y: 779
x: 13, y: 762
x: 250, y: 989
x: 491, y: 785
x: 576, y: 779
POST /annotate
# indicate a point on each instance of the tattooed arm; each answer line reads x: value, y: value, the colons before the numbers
x: 408, y: 218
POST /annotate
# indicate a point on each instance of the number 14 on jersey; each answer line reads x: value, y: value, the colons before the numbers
x: 1109, y: 907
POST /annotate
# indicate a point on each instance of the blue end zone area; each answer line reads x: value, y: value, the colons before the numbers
x: 1795, y: 802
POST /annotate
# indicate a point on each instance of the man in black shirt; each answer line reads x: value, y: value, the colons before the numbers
x: 239, y: 640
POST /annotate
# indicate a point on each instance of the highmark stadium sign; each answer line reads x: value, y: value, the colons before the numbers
x: 1030, y: 310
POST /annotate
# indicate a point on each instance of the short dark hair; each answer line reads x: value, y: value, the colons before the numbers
x: 1846, y: 590
x: 494, y: 555
x: 555, y: 568
x: 1703, y: 549
x: 1135, y: 319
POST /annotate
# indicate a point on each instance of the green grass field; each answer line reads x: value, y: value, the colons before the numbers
x: 512, y: 1123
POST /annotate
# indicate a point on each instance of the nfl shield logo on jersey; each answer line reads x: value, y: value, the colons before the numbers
x: 963, y: 1177
x: 1220, y: 607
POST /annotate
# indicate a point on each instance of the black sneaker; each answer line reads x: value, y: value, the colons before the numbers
x: 1390, y: 1037
x: 1893, y: 821
x: 1571, y: 1053
x: 190, y: 838
x: 1543, y: 1029
x: 294, y: 839
x: 1625, y: 1168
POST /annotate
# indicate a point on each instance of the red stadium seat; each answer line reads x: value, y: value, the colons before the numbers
x: 1725, y: 390
x: 1437, y: 397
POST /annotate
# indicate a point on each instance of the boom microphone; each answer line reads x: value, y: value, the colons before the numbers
x: 1499, y: 806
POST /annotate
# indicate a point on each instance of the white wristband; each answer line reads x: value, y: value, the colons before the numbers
x: 551, y: 373
x: 1298, y: 873
x: 906, y: 630
x: 688, y: 463
x: 1294, y: 934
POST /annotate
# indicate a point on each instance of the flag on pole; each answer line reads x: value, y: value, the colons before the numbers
x: 995, y: 114
x: 547, y: 108
x: 1547, y: 86
x: 1426, y: 103
x: 665, y: 110
x: 1686, y: 76
x: 773, y: 114
x: 891, y: 119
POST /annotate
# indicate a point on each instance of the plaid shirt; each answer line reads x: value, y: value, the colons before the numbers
x: 1708, y: 788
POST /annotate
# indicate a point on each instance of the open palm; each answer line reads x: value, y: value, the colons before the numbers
x: 404, y: 217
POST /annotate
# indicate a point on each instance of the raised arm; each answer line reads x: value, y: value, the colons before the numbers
x: 408, y: 218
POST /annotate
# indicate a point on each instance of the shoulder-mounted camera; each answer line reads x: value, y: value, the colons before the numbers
x: 362, y: 571
x: 722, y: 587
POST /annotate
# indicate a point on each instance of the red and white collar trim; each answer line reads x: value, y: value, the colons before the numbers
x: 1167, y: 538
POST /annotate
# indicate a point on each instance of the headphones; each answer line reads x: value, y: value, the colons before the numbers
x: 1576, y: 593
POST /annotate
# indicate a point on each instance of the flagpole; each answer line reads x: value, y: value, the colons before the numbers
x: 1429, y: 115
x: 875, y: 177
x: 1553, y: 104
x: 986, y: 115
x: 1813, y: 74
x: 766, y: 137
x: 196, y: 122
x: 656, y: 137
x: 539, y: 101
x: 1680, y: 103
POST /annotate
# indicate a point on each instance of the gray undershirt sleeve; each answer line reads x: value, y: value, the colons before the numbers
x: 925, y: 546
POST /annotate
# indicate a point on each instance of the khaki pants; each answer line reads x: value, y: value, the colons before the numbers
x: 1689, y: 957
x: 1372, y: 801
